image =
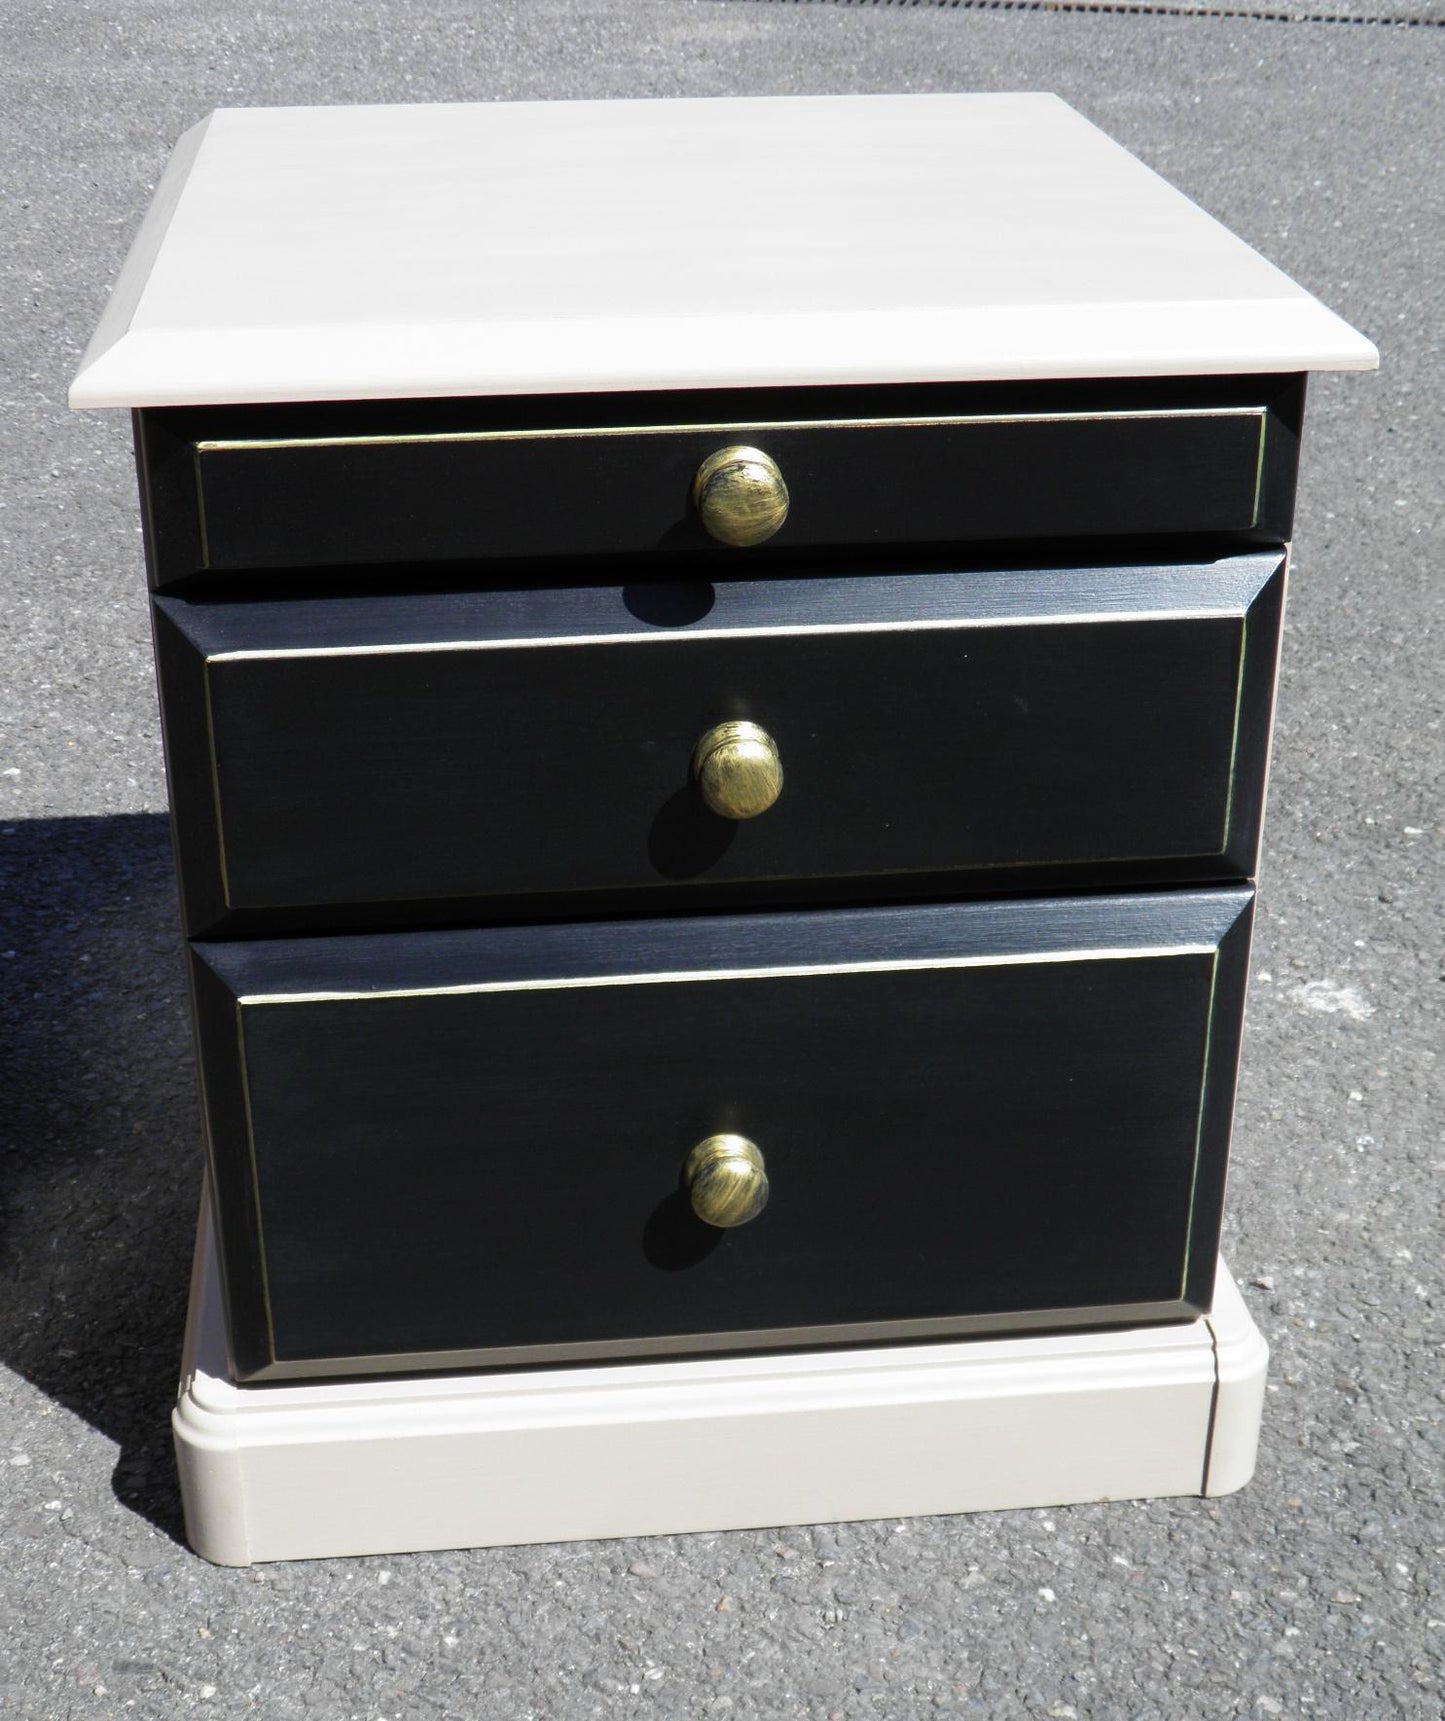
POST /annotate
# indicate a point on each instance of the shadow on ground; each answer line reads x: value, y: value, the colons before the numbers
x: 100, y: 1160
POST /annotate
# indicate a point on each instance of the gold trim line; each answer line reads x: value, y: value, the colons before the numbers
x: 570, y: 433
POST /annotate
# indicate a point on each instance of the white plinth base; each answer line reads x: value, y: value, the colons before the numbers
x: 389, y: 1466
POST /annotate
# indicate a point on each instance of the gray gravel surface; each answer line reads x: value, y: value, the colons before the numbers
x: 1320, y: 1590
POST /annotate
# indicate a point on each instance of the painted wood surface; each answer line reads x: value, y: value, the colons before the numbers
x: 438, y: 1461
x: 975, y: 729
x: 538, y: 247
x: 233, y: 491
x: 975, y: 1117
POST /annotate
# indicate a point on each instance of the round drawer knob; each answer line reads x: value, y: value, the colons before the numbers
x: 740, y: 495
x: 738, y: 770
x: 726, y: 1181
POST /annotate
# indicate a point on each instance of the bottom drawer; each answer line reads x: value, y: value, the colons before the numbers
x: 452, y: 1149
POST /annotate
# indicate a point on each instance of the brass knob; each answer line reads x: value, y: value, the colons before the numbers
x: 738, y: 770
x: 740, y: 495
x: 726, y: 1180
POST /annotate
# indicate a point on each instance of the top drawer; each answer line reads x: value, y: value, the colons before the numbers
x: 236, y: 489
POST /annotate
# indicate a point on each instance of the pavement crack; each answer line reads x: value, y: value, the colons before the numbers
x: 1145, y: 8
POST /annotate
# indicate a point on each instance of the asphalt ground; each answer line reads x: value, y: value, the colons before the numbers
x: 1319, y: 1590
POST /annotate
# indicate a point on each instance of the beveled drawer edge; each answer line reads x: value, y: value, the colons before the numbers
x: 203, y: 531
x: 762, y: 1338
x: 1238, y: 718
x: 1230, y: 609
x: 781, y: 971
x: 940, y: 421
x: 1204, y: 1067
x: 263, y: 1257
x: 214, y: 774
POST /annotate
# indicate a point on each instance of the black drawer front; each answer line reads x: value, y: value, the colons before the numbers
x: 467, y: 1147
x: 252, y: 490
x: 984, y: 728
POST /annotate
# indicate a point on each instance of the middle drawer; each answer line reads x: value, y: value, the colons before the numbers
x: 410, y: 754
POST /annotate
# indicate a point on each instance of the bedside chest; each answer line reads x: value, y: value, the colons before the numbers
x: 717, y: 750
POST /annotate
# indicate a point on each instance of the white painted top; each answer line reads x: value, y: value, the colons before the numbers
x: 353, y: 253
